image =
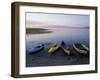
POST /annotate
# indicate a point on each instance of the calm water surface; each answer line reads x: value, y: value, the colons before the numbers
x: 68, y: 35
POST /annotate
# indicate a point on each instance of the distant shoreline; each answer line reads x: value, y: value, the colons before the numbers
x: 37, y: 30
x: 44, y: 30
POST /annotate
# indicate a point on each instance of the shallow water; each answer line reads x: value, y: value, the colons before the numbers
x: 68, y: 35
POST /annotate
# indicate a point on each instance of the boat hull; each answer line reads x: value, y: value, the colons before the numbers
x: 35, y: 50
x: 53, y: 49
x: 81, y: 50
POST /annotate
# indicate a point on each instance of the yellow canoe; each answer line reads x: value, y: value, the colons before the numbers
x: 54, y: 48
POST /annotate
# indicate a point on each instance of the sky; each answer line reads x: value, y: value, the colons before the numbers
x: 71, y: 20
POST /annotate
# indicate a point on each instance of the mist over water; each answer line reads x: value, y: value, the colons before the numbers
x: 68, y: 35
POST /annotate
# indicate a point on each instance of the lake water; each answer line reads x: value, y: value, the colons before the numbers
x: 68, y: 35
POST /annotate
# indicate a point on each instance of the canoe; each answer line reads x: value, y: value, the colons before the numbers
x: 54, y: 48
x: 85, y: 47
x: 65, y: 48
x: 36, y: 49
x: 80, y: 49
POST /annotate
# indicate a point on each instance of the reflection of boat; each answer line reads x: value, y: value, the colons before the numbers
x: 36, y: 49
x: 65, y: 48
x: 54, y: 48
x: 80, y: 49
